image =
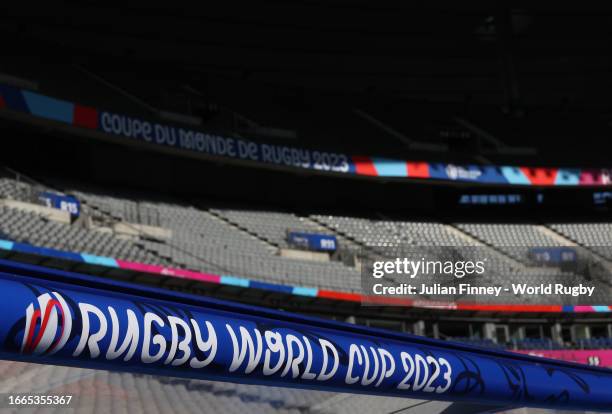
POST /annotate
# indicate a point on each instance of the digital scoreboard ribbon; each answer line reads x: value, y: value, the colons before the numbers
x: 54, y: 317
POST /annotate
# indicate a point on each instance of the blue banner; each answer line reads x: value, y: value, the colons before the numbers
x: 313, y: 241
x: 196, y: 141
x: 63, y: 202
x: 211, y: 144
x: 553, y: 255
x: 95, y: 323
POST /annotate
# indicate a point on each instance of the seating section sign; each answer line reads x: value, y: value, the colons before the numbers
x: 312, y: 241
x: 62, y: 202
x: 553, y: 255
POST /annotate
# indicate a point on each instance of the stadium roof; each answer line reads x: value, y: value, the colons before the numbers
x: 518, y: 73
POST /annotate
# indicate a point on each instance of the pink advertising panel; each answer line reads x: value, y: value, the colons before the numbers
x: 597, y: 357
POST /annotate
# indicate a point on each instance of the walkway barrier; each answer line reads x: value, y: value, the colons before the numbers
x: 56, y: 317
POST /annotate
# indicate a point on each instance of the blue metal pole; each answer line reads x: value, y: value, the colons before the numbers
x: 55, y: 317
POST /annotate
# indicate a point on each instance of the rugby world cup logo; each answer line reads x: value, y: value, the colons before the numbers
x: 48, y: 325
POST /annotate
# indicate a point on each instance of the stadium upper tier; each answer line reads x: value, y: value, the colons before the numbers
x: 252, y: 243
x: 159, y: 134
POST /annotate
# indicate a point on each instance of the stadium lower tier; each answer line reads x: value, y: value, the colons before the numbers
x: 10, y: 246
x: 98, y: 391
x: 250, y: 247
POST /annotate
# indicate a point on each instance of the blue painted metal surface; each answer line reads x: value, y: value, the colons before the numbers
x: 57, y: 317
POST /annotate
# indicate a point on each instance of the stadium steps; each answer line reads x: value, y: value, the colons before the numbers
x: 480, y: 243
x: 343, y: 241
x: 350, y: 242
x: 565, y: 241
x: 562, y: 238
x: 107, y: 220
x: 85, y: 219
x: 272, y: 246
